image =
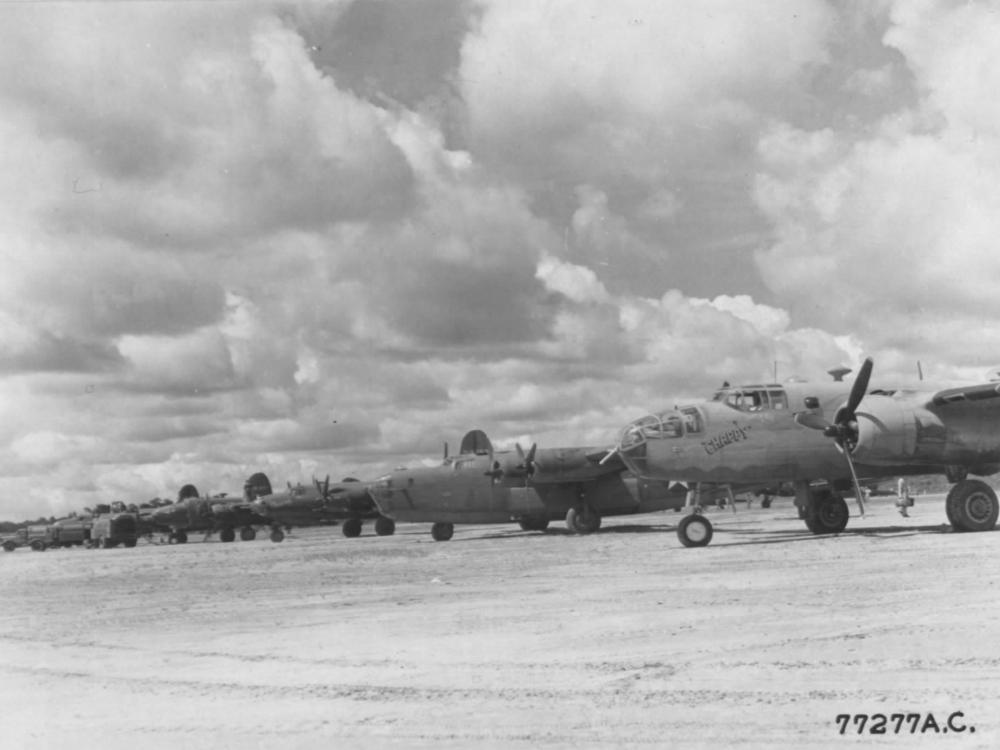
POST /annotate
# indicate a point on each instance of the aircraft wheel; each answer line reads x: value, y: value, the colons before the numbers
x: 227, y: 535
x: 277, y: 535
x: 130, y: 542
x: 828, y: 514
x: 385, y: 526
x: 583, y: 522
x: 351, y: 528
x: 442, y: 532
x: 248, y: 534
x: 182, y: 537
x: 972, y: 505
x: 694, y: 530
x: 534, y: 524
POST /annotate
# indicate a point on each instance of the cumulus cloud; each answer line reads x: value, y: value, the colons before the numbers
x: 324, y: 238
x: 890, y: 236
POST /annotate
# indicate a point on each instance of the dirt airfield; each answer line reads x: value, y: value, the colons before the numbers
x: 503, y: 638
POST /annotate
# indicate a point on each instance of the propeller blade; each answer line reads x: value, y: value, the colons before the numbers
x: 857, y: 485
x: 860, y: 386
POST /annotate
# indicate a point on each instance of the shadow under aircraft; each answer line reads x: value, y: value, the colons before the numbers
x: 348, y: 502
x: 826, y: 439
x: 480, y: 486
x: 219, y: 514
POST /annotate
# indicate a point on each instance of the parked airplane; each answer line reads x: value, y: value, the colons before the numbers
x: 753, y: 435
x: 481, y: 485
x: 348, y: 501
x: 194, y: 513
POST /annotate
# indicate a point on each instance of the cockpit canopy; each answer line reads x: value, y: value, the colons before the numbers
x: 753, y: 397
x: 668, y: 424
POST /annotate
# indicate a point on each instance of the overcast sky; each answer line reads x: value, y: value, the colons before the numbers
x: 313, y: 238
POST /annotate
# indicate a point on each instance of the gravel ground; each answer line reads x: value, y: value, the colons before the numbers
x: 503, y: 638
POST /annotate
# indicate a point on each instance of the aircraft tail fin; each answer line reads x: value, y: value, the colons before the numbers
x: 188, y: 490
x: 476, y: 442
x: 258, y: 485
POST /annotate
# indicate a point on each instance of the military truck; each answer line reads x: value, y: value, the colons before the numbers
x: 35, y: 536
x: 67, y: 532
x: 111, y: 529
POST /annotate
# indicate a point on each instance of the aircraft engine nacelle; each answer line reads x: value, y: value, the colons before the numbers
x: 891, y: 431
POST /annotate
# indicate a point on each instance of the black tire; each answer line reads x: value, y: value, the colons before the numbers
x: 277, y: 535
x: 385, y: 526
x: 695, y: 530
x: 584, y: 521
x: 972, y: 505
x: 130, y: 542
x: 182, y: 537
x: 9, y: 546
x: 442, y: 532
x: 248, y: 534
x: 351, y: 528
x: 534, y: 524
x: 227, y: 535
x: 828, y: 514
x: 38, y: 546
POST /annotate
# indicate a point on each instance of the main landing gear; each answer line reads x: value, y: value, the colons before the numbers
x: 442, y: 532
x: 827, y: 513
x: 972, y: 505
x: 228, y: 534
x: 583, y: 519
x: 534, y: 523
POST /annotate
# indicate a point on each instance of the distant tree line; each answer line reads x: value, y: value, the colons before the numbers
x: 7, y: 527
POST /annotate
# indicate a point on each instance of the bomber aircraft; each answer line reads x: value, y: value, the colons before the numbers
x: 348, y: 501
x: 192, y: 512
x: 823, y: 437
x: 481, y: 485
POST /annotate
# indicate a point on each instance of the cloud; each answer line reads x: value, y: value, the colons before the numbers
x: 890, y: 236
x: 324, y: 238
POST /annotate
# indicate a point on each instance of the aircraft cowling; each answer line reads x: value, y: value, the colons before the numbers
x: 890, y: 431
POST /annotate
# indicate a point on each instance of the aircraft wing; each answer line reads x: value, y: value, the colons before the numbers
x: 965, y: 394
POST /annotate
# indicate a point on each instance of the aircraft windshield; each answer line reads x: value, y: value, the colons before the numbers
x: 666, y: 425
x: 753, y: 398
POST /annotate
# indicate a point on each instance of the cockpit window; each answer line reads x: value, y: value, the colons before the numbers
x: 753, y: 398
x: 779, y: 399
x: 692, y: 421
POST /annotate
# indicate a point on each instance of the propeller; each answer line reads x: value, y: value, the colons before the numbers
x: 844, y: 429
x: 528, y: 464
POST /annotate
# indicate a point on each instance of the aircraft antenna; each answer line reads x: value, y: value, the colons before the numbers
x: 920, y: 371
